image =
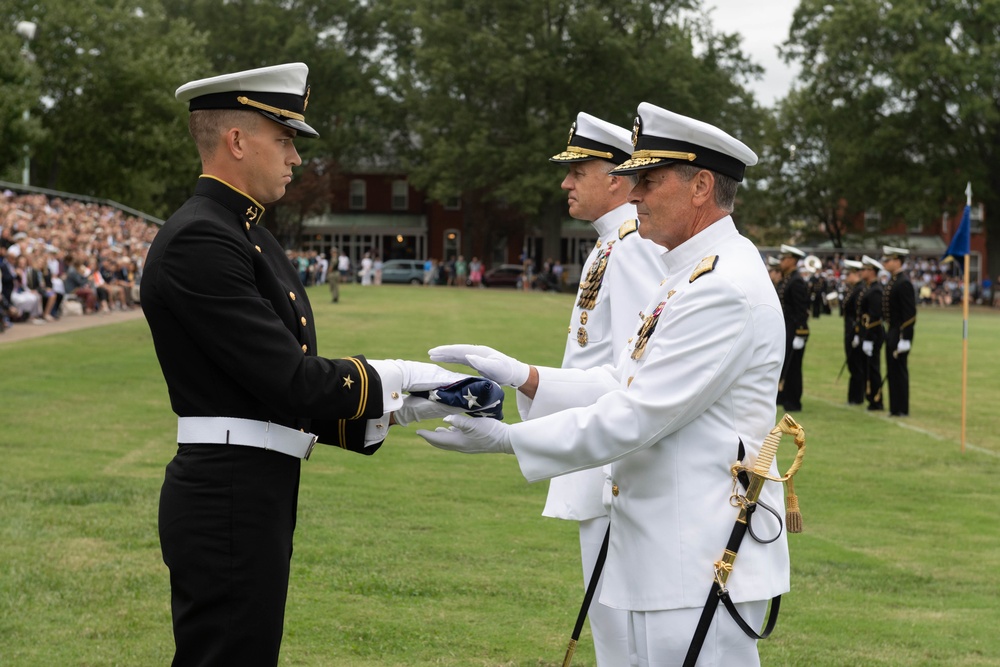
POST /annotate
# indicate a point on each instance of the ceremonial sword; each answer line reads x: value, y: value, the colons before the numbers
x: 753, y: 480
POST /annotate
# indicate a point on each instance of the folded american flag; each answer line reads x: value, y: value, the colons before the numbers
x: 479, y: 397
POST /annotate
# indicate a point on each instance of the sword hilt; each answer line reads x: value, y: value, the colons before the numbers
x: 768, y: 450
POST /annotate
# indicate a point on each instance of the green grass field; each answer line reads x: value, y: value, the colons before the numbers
x: 419, y: 557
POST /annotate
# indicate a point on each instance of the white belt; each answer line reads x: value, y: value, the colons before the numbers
x: 245, y: 432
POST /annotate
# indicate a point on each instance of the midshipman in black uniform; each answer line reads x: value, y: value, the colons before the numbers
x: 794, y: 296
x: 869, y: 333
x: 899, y: 305
x: 235, y: 337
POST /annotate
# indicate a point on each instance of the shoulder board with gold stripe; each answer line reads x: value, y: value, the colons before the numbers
x: 705, y: 266
x: 627, y: 228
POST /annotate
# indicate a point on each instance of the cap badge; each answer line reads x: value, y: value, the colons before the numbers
x: 305, y: 102
x: 636, y: 129
x: 572, y: 131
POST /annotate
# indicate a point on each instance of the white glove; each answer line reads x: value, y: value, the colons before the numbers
x: 471, y: 436
x: 798, y: 343
x: 856, y: 341
x: 868, y: 347
x: 491, y: 364
x: 903, y: 346
x: 416, y: 409
x: 416, y: 375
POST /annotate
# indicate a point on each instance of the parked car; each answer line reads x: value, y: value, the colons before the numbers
x: 403, y: 271
x: 505, y: 275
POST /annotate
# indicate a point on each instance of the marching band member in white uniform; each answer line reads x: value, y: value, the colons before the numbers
x: 617, y: 281
x: 693, y: 388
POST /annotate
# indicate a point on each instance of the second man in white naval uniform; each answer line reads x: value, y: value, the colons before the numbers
x: 691, y: 393
x: 616, y: 283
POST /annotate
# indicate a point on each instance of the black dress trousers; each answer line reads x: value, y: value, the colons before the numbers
x: 227, y: 515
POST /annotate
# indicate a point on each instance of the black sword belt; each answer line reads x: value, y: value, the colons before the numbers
x: 752, y: 481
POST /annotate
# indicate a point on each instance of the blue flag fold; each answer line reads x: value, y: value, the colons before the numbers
x: 959, y: 246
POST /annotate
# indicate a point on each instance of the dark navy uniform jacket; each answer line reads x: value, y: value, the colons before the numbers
x: 234, y: 331
x: 794, y: 297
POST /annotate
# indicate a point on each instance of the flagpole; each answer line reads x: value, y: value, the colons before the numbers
x: 959, y: 247
x: 965, y: 345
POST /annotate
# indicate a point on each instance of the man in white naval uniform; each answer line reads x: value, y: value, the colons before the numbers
x: 693, y: 388
x: 616, y: 283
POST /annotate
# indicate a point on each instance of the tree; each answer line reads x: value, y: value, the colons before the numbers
x: 19, y: 85
x: 112, y: 127
x: 906, y: 98
x: 484, y: 92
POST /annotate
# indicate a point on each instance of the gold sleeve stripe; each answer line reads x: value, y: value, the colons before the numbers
x: 909, y: 322
x: 362, y: 388
x: 342, y: 433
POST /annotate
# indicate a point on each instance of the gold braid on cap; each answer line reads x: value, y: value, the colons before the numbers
x: 266, y: 107
x: 673, y: 155
x: 588, y: 151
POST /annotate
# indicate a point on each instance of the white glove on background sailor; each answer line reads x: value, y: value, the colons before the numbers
x: 471, y: 436
x: 489, y: 362
x: 903, y: 346
x: 868, y: 347
x: 798, y: 343
x: 855, y: 341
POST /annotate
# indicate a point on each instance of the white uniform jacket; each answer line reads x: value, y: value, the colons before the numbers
x: 669, y: 417
x: 598, y: 332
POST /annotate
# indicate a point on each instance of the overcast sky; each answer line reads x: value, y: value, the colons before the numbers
x: 764, y: 25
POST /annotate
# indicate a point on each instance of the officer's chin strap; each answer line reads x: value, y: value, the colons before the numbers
x: 747, y: 499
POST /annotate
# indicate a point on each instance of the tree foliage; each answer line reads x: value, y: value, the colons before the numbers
x: 481, y: 93
x: 108, y: 72
x: 470, y: 97
x: 898, y: 105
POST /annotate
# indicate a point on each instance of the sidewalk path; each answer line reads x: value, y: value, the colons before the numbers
x: 27, y: 330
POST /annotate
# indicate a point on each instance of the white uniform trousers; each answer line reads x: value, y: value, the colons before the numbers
x: 662, y: 638
x: 607, y: 626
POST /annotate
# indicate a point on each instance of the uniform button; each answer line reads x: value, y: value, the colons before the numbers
x: 248, y: 226
x: 569, y: 329
x: 614, y: 490
x: 291, y: 295
x: 258, y: 248
x: 303, y: 320
x: 394, y: 395
x: 305, y: 348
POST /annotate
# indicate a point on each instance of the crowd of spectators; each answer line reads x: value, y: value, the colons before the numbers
x: 60, y: 255
x: 935, y: 283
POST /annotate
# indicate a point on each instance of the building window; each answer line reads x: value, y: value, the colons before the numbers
x: 976, y: 218
x: 359, y: 195
x: 453, y: 203
x: 400, y: 195
x: 873, y: 220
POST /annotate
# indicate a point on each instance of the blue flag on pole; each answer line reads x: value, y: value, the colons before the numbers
x: 959, y: 246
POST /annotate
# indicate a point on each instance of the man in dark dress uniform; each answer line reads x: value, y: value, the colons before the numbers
x: 855, y: 358
x: 869, y: 333
x: 794, y: 296
x: 234, y: 334
x: 899, y: 304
